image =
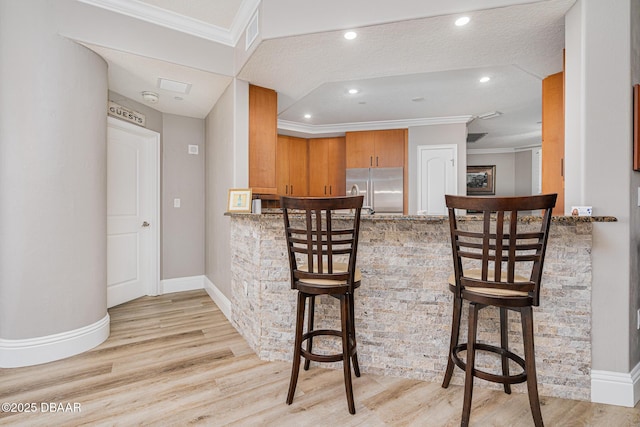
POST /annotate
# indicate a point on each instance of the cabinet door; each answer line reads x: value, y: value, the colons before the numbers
x: 298, y: 167
x: 553, y: 138
x: 282, y: 165
x: 389, y: 148
x: 263, y: 134
x: 318, y: 172
x: 336, y: 166
x: 360, y: 149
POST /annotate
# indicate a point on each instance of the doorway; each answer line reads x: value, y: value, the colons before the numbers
x: 437, y: 176
x: 133, y: 212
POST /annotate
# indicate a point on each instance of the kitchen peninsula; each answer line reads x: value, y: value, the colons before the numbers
x: 403, y: 307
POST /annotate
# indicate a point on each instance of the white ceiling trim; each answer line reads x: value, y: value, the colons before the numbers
x: 379, y: 125
x: 162, y: 17
x: 502, y: 150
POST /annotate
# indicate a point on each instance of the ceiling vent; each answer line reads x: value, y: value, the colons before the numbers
x: 489, y: 115
x: 252, y: 32
x: 474, y: 137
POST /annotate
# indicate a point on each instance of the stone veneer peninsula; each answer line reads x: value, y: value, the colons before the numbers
x: 403, y: 307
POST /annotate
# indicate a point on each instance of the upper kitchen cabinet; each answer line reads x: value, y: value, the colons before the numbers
x: 376, y: 149
x: 327, y: 175
x: 553, y: 138
x: 292, y: 166
x: 263, y: 136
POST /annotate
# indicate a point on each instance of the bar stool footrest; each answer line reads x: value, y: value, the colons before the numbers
x: 324, y: 357
x: 496, y: 378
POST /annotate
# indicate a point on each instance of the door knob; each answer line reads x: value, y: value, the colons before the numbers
x: 145, y: 224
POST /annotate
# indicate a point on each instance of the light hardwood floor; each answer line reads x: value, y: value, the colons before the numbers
x: 176, y: 360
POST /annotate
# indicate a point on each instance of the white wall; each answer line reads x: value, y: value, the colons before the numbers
x: 53, y: 133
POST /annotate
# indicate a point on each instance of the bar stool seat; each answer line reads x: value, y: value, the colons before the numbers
x: 327, y: 266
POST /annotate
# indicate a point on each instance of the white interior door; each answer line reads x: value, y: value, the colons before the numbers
x: 437, y: 176
x: 132, y: 212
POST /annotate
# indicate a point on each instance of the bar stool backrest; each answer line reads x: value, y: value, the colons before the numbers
x: 326, y: 248
x: 499, y: 250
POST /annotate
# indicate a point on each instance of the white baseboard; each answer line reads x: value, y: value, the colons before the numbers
x: 34, y: 351
x: 616, y: 388
x: 218, y: 297
x: 181, y: 284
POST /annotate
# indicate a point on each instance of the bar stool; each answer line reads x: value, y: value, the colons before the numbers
x: 497, y: 263
x: 327, y: 249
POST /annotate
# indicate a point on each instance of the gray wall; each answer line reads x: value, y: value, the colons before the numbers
x: 436, y: 135
x: 226, y: 136
x: 505, y: 170
x: 599, y: 125
x: 523, y: 173
x: 634, y: 300
x: 53, y: 131
x: 183, y: 178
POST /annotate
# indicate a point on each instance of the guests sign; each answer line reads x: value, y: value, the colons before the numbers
x: 125, y: 114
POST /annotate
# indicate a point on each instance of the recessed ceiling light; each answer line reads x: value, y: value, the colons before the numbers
x: 484, y: 79
x: 464, y: 20
x: 353, y: 91
x: 350, y: 35
x: 307, y: 116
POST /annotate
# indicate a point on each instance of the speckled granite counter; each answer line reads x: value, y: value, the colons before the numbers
x: 403, y: 308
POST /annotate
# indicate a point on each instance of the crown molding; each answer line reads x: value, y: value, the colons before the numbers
x: 378, y: 125
x: 501, y: 150
x: 155, y: 15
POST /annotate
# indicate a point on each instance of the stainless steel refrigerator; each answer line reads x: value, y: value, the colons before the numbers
x: 381, y: 187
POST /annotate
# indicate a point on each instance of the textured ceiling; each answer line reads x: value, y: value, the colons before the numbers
x: 517, y: 46
x: 391, y: 63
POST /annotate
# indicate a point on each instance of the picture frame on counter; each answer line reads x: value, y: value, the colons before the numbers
x: 481, y: 180
x: 239, y: 200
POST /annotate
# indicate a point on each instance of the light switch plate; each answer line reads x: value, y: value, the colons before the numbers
x: 176, y: 203
x: 193, y: 149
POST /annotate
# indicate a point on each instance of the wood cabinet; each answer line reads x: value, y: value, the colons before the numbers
x: 327, y: 172
x: 292, y: 173
x: 553, y: 138
x: 376, y: 149
x: 263, y: 134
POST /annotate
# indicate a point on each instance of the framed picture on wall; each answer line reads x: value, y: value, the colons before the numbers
x: 239, y: 200
x: 481, y: 180
x: 636, y: 128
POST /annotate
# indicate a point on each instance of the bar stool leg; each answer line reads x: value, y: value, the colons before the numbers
x: 471, y: 358
x: 352, y: 332
x: 295, y: 369
x: 530, y: 364
x: 504, y: 343
x: 310, y: 316
x: 346, y: 352
x: 455, y: 332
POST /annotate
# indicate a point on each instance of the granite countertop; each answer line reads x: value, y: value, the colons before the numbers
x: 568, y: 220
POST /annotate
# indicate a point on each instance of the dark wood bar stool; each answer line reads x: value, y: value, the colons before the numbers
x: 326, y: 265
x: 498, y: 263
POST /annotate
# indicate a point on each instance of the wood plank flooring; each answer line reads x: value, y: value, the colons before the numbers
x: 176, y: 360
